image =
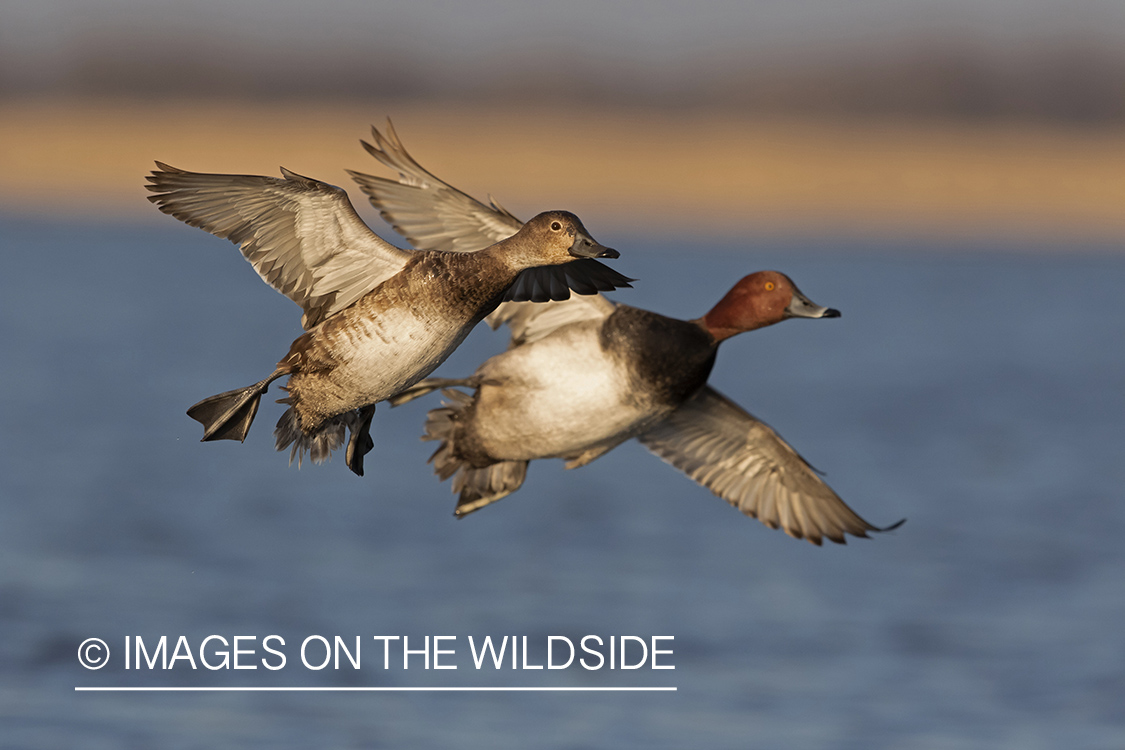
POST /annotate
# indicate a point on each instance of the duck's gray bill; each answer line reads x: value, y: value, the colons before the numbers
x: 802, y: 307
x: 585, y: 247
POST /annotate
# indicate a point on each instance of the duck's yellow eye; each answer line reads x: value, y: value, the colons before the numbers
x: 769, y: 286
x: 555, y: 226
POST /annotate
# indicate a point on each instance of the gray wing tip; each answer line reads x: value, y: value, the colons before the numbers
x: 863, y: 533
x: 838, y: 534
x: 375, y: 151
x: 500, y: 209
x: 391, y: 134
x: 892, y: 527
x: 380, y: 141
x: 388, y: 150
x: 294, y: 177
x: 157, y: 179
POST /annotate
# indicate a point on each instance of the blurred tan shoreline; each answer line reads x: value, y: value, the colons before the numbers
x: 704, y: 173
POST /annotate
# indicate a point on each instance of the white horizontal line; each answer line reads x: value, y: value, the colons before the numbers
x: 372, y: 689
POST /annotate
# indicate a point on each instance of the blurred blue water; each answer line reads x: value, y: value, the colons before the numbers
x: 980, y: 393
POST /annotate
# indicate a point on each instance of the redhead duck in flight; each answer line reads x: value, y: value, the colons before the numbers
x: 582, y: 376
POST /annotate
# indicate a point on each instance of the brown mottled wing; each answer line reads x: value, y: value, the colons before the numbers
x: 302, y: 236
x: 739, y: 458
x: 434, y: 215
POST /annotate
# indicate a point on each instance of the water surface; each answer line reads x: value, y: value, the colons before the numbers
x: 979, y: 392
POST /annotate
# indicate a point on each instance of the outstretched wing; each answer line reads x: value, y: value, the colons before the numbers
x: 434, y: 215
x: 739, y: 458
x: 301, y: 235
x: 429, y: 212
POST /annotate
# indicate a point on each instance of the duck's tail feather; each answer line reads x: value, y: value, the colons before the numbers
x: 318, y: 445
x: 228, y: 416
x: 329, y: 436
x: 477, y: 487
x: 480, y: 487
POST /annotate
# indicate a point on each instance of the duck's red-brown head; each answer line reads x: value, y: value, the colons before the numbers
x: 758, y: 300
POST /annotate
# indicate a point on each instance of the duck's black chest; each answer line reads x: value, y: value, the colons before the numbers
x: 669, y: 359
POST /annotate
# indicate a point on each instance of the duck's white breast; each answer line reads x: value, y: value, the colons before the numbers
x: 379, y: 356
x: 559, y: 396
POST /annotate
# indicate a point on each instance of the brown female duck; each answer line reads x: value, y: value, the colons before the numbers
x: 378, y: 318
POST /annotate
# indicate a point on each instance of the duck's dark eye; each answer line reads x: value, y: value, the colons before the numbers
x: 555, y: 226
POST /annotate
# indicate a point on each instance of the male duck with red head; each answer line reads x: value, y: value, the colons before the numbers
x: 583, y: 375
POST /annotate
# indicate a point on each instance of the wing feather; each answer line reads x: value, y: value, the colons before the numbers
x: 434, y: 215
x: 742, y: 460
x: 302, y: 236
x: 429, y: 212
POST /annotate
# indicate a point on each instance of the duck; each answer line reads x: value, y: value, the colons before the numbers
x: 584, y: 375
x: 377, y: 318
